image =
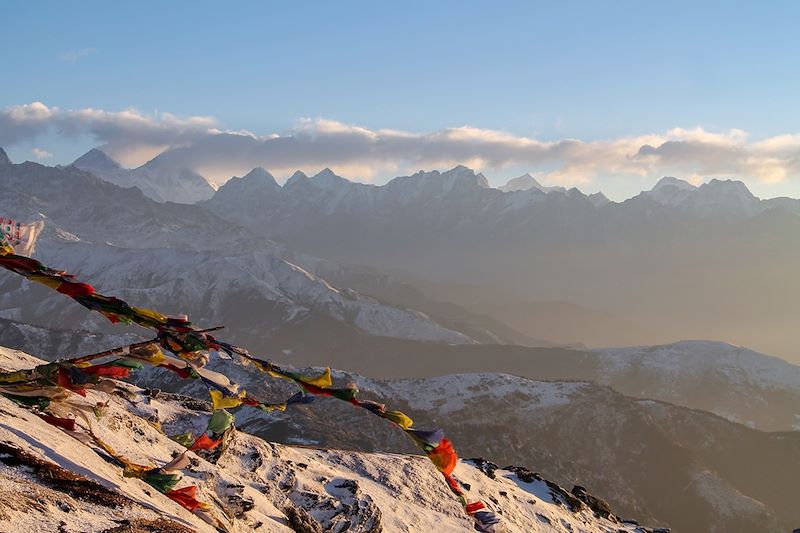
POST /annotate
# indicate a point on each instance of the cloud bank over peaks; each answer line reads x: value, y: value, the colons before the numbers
x: 122, y: 132
x: 200, y: 144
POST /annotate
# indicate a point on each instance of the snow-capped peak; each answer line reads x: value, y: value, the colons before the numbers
x: 670, y: 191
x: 158, y: 179
x: 253, y: 183
x: 728, y: 198
x: 96, y: 160
x: 465, y: 175
x: 259, y: 175
x: 327, y: 179
x: 521, y: 183
x: 669, y: 181
x: 296, y: 178
x: 527, y: 182
x: 436, y: 184
x: 729, y: 187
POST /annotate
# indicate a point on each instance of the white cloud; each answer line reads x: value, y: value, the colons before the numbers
x: 74, y: 55
x: 121, y: 132
x: 199, y: 143
x: 40, y: 154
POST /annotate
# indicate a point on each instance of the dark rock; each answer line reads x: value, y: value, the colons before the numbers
x: 349, y: 484
x: 560, y: 495
x: 523, y: 474
x: 487, y: 467
x: 300, y: 521
x: 598, y: 505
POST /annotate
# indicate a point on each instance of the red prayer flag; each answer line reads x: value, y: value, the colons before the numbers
x: 182, y: 372
x: 64, y: 423
x: 186, y: 497
x: 453, y: 484
x: 444, y: 457
x: 474, y: 507
x: 108, y: 371
x: 205, y: 443
x: 75, y: 289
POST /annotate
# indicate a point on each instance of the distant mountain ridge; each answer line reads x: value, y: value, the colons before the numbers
x: 694, y: 261
x: 703, y: 243
x: 161, y: 183
x: 160, y: 180
x: 170, y: 255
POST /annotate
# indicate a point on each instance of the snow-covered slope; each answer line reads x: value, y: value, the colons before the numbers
x: 50, y: 481
x: 213, y: 287
x: 740, y: 384
x: 55, y: 343
x: 176, y: 256
x: 159, y: 182
x: 670, y: 191
x: 574, y: 432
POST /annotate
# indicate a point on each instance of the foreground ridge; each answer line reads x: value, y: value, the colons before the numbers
x: 50, y: 478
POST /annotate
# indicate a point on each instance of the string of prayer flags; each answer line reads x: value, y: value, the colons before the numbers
x: 163, y: 479
x: 192, y: 346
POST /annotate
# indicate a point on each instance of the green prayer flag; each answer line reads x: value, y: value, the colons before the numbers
x: 220, y: 421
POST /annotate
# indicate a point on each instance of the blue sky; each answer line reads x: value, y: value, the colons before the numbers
x: 593, y: 71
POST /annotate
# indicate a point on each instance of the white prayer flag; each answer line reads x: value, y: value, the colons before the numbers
x: 21, y: 238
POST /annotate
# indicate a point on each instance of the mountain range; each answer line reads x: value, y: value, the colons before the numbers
x: 674, y: 262
x: 297, y: 273
x: 209, y: 267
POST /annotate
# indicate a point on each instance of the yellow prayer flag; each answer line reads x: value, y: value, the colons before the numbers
x: 154, y: 315
x: 401, y: 419
x: 221, y: 402
x: 323, y: 380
